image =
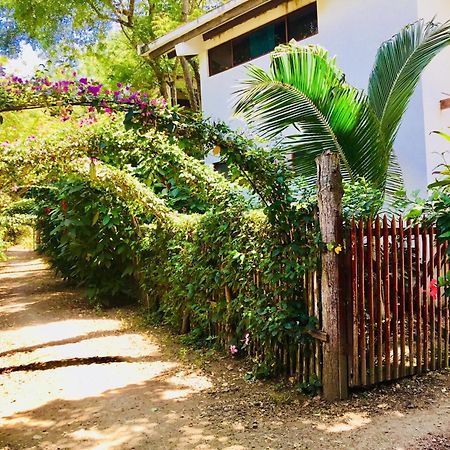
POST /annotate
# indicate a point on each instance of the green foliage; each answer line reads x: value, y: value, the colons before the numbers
x: 311, y: 387
x: 361, y: 200
x: 22, y: 206
x: 17, y: 220
x: 435, y: 210
x: 90, y: 235
x: 231, y: 273
x: 113, y: 60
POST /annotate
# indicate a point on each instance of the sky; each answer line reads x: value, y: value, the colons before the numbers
x: 27, y: 62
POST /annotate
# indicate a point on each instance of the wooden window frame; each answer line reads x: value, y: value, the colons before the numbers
x: 248, y: 33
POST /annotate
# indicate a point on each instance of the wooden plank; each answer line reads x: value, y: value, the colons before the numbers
x: 355, y: 349
x: 446, y: 316
x: 439, y: 306
x: 379, y: 300
x: 312, y: 353
x: 362, y: 306
x: 370, y: 299
x: 394, y: 298
x: 316, y: 313
x: 410, y: 276
x: 426, y: 298
x: 387, y: 295
x: 432, y: 302
x: 418, y: 299
x: 402, y: 292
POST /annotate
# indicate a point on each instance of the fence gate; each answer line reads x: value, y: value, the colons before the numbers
x: 397, y: 317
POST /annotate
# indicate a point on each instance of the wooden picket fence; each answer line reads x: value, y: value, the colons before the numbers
x: 397, y: 318
x: 382, y: 313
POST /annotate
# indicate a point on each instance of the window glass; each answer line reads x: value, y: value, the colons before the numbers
x: 220, y: 58
x: 258, y: 42
x: 297, y: 25
x: 302, y: 23
x: 241, y: 50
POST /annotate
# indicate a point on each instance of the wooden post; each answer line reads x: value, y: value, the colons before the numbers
x: 330, y: 192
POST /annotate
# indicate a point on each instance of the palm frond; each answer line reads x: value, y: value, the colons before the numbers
x: 398, y: 65
x: 305, y: 89
x: 394, y: 182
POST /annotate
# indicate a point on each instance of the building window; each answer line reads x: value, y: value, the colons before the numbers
x: 298, y: 25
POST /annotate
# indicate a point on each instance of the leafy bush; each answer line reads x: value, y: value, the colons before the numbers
x: 90, y: 236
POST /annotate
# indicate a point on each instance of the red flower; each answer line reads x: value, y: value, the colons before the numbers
x: 64, y: 205
x: 433, y: 288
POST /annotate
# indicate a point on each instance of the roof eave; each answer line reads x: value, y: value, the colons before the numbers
x: 203, y: 24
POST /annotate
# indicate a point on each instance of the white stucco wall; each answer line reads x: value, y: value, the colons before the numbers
x: 436, y: 86
x: 353, y: 30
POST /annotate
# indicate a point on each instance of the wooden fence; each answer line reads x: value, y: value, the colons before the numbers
x: 397, y: 317
x: 383, y: 313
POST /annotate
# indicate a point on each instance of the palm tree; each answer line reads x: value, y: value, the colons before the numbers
x: 305, y: 89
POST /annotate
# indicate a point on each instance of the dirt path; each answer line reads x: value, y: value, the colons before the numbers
x: 74, y: 379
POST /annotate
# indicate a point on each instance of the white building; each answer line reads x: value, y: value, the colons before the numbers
x: 245, y: 31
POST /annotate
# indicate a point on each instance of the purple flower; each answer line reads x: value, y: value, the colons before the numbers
x: 83, y: 80
x: 94, y: 90
x: 119, y: 85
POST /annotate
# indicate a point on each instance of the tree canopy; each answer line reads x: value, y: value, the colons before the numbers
x: 94, y: 30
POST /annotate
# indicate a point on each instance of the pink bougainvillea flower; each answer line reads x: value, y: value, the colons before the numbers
x: 233, y: 349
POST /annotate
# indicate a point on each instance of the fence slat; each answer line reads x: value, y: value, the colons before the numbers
x: 394, y: 298
x: 362, y: 306
x: 402, y: 296
x: 379, y: 301
x: 446, y: 320
x: 432, y: 304
x: 387, y: 303
x: 371, y: 309
x: 411, y: 352
x: 426, y: 298
x: 355, y: 348
x: 418, y: 299
x: 439, y: 306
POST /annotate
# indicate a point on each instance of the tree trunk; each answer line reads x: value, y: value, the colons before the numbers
x: 330, y: 192
x: 195, y: 68
x: 159, y: 74
x: 189, y: 84
x: 185, y: 65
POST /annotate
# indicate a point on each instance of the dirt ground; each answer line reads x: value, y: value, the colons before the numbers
x: 75, y: 378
